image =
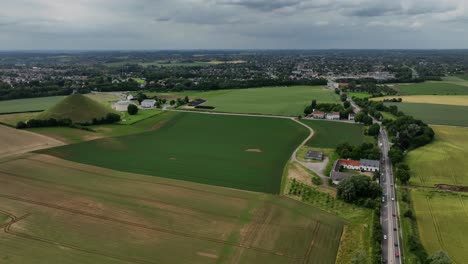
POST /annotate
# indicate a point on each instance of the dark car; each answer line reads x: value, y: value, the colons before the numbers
x: 396, y: 244
x: 393, y: 215
x: 394, y: 229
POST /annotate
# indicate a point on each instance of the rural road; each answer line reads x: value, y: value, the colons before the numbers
x: 389, y: 212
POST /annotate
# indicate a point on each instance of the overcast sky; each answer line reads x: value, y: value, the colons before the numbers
x: 233, y: 24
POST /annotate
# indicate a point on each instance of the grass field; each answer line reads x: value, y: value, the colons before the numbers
x: 287, y: 101
x: 437, y: 114
x: 462, y: 76
x: 64, y: 212
x: 232, y: 151
x: 432, y: 88
x: 359, y: 95
x: 430, y: 99
x: 329, y: 134
x: 141, y: 115
x: 158, y: 63
x: 442, y: 219
x: 443, y: 161
x: 29, y: 104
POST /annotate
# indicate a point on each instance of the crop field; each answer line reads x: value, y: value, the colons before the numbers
x: 443, y: 161
x: 442, y: 219
x: 437, y: 114
x: 329, y: 134
x: 359, y: 95
x: 430, y: 99
x: 232, y: 151
x: 13, y: 141
x: 58, y: 211
x: 433, y: 88
x: 286, y: 101
x: 28, y: 104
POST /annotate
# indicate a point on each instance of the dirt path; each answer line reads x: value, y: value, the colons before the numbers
x: 16, y: 141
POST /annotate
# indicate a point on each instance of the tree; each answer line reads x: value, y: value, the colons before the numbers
x: 396, y: 155
x: 373, y: 130
x: 21, y: 125
x: 403, y: 175
x: 140, y: 97
x: 440, y: 257
x: 172, y: 102
x: 132, y: 109
x: 186, y: 99
x: 358, y: 187
x: 313, y: 105
x: 346, y: 104
x: 343, y: 97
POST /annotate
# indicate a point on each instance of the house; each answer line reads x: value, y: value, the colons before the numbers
x: 370, y: 165
x: 314, y: 155
x: 337, y: 176
x: 129, y: 97
x: 350, y: 164
x: 148, y: 103
x: 341, y: 85
x: 121, y: 106
x: 351, y: 116
x: 333, y: 116
x: 318, y: 114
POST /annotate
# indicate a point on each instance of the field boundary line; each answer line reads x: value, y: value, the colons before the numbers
x: 137, y: 225
x: 141, y: 181
x: 312, y: 243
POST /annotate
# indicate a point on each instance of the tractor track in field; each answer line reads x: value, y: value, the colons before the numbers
x: 312, y: 243
x: 137, y: 225
x: 137, y: 181
x: 14, y: 219
x: 126, y: 196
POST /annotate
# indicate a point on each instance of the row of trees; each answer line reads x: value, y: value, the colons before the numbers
x: 363, y: 151
x: 52, y: 122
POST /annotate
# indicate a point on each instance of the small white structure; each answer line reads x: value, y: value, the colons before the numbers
x: 333, y: 116
x: 148, y: 103
x: 370, y: 165
x: 351, y: 116
x: 129, y: 97
x: 121, y: 106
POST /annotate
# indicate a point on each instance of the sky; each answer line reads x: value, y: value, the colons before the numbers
x: 233, y: 24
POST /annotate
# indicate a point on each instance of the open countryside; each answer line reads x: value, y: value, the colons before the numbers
x: 430, y: 99
x: 433, y: 88
x: 436, y: 114
x: 443, y: 161
x: 154, y: 219
x: 204, y: 148
x: 287, y: 101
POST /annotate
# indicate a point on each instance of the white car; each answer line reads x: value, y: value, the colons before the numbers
x: 385, y: 237
x: 393, y: 198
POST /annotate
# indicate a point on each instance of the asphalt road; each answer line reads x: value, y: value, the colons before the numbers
x: 389, y: 214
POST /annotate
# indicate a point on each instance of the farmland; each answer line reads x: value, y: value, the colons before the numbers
x: 29, y: 104
x: 287, y: 101
x: 442, y: 222
x: 231, y: 151
x: 64, y: 212
x: 328, y: 134
x: 430, y: 99
x: 158, y: 63
x: 443, y: 161
x: 359, y: 95
x: 433, y: 88
x: 436, y: 114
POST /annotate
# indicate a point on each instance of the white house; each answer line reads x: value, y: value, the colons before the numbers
x: 148, y: 103
x: 350, y: 164
x: 318, y: 114
x: 121, y: 106
x: 370, y: 165
x: 333, y: 116
x: 351, y: 116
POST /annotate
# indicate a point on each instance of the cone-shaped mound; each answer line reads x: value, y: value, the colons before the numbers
x: 78, y: 108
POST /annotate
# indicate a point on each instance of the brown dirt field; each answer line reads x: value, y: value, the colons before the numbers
x: 446, y: 187
x: 15, y: 141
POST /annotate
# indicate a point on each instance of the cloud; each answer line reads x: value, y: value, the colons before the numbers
x: 262, y: 5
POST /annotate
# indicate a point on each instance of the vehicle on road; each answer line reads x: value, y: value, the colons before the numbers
x: 393, y: 215
x: 397, y: 255
x: 394, y: 229
x: 384, y: 236
x: 393, y: 199
x: 396, y: 244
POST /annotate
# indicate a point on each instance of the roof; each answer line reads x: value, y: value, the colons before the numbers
x: 370, y: 163
x: 314, y: 154
x: 335, y: 113
x: 318, y: 113
x: 338, y: 176
x: 122, y: 102
x: 151, y: 101
x: 350, y: 162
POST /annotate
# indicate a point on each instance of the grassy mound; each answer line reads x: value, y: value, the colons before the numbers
x: 78, y: 108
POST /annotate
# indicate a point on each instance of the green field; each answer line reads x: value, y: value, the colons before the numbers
x: 29, y: 104
x: 443, y: 161
x: 329, y: 134
x: 442, y: 219
x: 437, y: 114
x: 287, y: 101
x: 432, y: 88
x: 141, y: 115
x: 462, y: 76
x: 64, y: 212
x: 359, y: 95
x: 158, y: 63
x: 232, y: 151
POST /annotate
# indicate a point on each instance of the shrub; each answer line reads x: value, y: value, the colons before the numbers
x: 132, y: 109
